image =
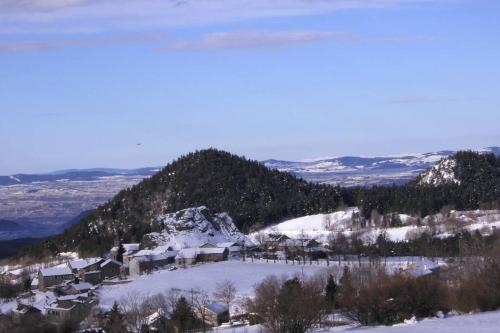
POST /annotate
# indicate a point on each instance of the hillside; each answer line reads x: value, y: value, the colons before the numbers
x: 467, y: 180
x: 255, y: 197
x: 249, y: 192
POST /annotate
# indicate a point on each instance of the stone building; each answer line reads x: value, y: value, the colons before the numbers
x: 48, y: 277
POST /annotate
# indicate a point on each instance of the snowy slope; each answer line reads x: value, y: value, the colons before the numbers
x: 487, y: 322
x: 192, y: 227
x: 315, y: 226
x: 323, y: 226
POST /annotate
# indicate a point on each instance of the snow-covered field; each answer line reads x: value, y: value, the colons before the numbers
x: 245, y: 275
x: 487, y: 322
x: 205, y: 276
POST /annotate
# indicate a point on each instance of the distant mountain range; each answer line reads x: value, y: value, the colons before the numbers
x: 365, y: 171
x: 37, y: 205
x: 30, y: 229
x: 344, y: 170
x: 94, y: 174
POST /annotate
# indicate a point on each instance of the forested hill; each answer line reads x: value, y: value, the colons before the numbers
x: 247, y: 190
x: 254, y: 196
x: 466, y: 180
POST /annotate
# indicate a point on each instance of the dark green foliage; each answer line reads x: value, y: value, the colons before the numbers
x: 115, y: 321
x: 10, y: 248
x: 460, y: 244
x: 120, y: 252
x: 479, y: 176
x: 9, y: 291
x: 182, y: 315
x: 331, y: 290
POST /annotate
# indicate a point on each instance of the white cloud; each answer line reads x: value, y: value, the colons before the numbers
x: 258, y: 39
x: 45, y: 45
x: 76, y: 16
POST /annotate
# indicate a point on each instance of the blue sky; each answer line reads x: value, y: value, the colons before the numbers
x: 84, y: 81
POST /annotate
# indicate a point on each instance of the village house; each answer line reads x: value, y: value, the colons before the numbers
x: 111, y: 268
x: 79, y: 266
x: 147, y: 260
x: 25, y: 310
x: 298, y: 244
x: 79, y: 288
x: 34, y: 283
x: 273, y: 242
x: 232, y: 247
x: 15, y: 275
x: 92, y: 277
x: 215, y: 314
x: 48, y: 277
x: 70, y: 307
x: 192, y: 255
x: 130, y: 250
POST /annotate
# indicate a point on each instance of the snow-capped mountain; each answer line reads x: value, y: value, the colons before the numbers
x: 192, y: 227
x: 365, y: 171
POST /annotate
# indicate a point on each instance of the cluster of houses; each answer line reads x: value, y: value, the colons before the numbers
x: 75, y: 282
x: 292, y: 247
x: 143, y: 261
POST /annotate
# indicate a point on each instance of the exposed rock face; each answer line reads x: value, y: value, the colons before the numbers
x: 192, y: 227
x: 441, y: 173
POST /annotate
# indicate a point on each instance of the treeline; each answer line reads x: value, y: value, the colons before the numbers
x: 256, y: 196
x: 464, y: 243
x: 371, y: 296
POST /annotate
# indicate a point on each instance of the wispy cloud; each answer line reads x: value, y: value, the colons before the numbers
x: 76, y: 16
x: 46, y: 45
x: 422, y: 99
x: 246, y: 39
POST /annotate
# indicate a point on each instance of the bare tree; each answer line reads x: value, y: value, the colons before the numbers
x: 225, y: 293
x: 291, y: 306
x: 201, y: 301
x: 327, y: 222
x: 131, y: 304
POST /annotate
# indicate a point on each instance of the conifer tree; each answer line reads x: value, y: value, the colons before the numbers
x: 115, y: 322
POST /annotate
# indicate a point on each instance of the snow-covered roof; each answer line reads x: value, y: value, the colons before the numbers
x: 131, y: 247
x: 192, y: 253
x: 187, y: 253
x: 153, y: 318
x: 82, y: 286
x: 83, y: 263
x: 142, y: 253
x: 34, y: 282
x: 53, y: 271
x: 24, y: 308
x: 155, y: 254
x: 217, y: 308
x: 107, y: 261
x: 212, y: 250
x: 227, y: 244
x: 73, y: 297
